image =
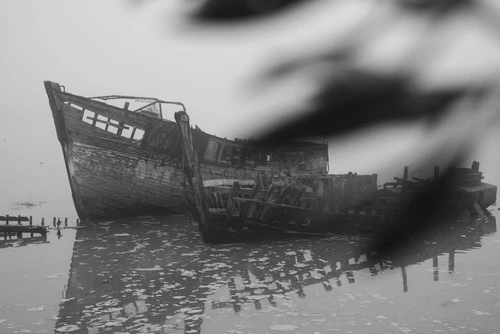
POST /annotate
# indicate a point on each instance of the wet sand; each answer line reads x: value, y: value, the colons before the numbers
x: 154, y: 275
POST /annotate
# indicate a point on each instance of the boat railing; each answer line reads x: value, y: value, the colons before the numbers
x: 147, y: 106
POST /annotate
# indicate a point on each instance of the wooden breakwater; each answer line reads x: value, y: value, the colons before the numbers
x: 13, y: 225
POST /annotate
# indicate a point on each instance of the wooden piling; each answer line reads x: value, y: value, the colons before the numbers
x: 435, y: 265
x: 43, y: 221
x: 451, y: 261
x: 191, y: 169
x: 19, y: 229
x: 7, y: 219
x: 54, y: 221
x: 405, y: 278
x: 66, y: 222
x: 31, y: 224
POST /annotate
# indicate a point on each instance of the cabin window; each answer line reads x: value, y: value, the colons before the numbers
x: 235, y: 156
x: 138, y: 135
x: 226, y: 154
x: 133, y: 134
x: 76, y: 106
x: 102, y: 121
x: 217, y: 151
x: 151, y: 110
x: 88, y: 116
x: 212, y: 151
x: 127, y: 131
x: 113, y: 126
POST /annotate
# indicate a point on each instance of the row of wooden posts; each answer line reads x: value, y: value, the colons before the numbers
x: 20, y: 229
x: 20, y: 219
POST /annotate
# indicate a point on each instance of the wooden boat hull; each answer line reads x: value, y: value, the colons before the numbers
x: 313, y: 204
x: 307, y: 205
x: 112, y: 177
x: 111, y: 183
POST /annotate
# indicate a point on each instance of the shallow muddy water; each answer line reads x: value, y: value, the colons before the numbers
x: 154, y: 275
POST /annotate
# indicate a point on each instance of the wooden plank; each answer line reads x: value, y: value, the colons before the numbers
x: 270, y: 204
x: 14, y: 218
x: 227, y: 183
x: 478, y: 209
x: 231, y: 203
x: 259, y: 212
x: 192, y: 171
x: 23, y: 229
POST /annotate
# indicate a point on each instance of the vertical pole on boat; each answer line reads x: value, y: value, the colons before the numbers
x: 436, y: 172
x: 475, y: 166
x: 405, y: 179
x: 192, y: 172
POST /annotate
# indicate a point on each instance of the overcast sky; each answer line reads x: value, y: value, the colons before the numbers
x: 96, y: 47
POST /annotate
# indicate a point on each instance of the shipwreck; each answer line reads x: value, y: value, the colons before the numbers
x: 126, y: 156
x: 123, y: 155
x: 322, y: 204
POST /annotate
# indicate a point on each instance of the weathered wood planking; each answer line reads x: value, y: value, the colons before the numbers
x: 23, y: 229
x: 114, y: 183
x: 19, y: 219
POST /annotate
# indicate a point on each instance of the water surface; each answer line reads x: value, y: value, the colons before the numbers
x: 154, y: 275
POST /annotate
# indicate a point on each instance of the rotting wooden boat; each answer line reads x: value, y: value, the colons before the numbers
x: 305, y: 204
x: 123, y: 157
x: 468, y: 192
x: 315, y: 205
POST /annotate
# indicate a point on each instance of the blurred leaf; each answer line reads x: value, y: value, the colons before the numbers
x: 234, y: 10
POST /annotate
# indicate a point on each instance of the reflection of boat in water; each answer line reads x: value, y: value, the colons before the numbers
x: 123, y: 155
x: 132, y: 276
x: 303, y: 268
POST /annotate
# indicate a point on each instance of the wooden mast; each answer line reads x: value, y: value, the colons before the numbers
x: 192, y: 172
